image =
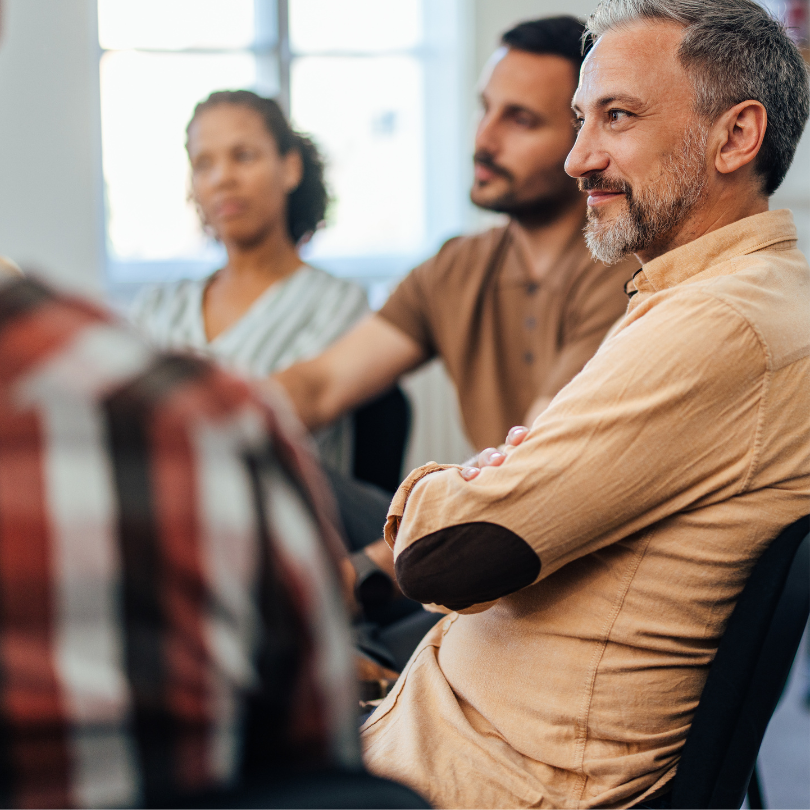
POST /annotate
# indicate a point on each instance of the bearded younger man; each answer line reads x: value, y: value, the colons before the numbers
x: 514, y: 312
x: 591, y: 572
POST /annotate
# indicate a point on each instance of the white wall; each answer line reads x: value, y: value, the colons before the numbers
x: 493, y: 17
x: 794, y: 193
x: 50, y: 187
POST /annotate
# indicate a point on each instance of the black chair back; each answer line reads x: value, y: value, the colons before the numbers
x: 747, y: 676
x: 381, y: 429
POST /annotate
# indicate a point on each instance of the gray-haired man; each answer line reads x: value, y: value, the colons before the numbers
x: 592, y: 567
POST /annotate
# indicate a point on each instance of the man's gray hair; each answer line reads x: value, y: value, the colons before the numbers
x: 734, y: 50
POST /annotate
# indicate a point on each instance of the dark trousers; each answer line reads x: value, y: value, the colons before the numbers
x: 392, y: 633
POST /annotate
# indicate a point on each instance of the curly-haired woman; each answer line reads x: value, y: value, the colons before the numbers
x: 258, y: 186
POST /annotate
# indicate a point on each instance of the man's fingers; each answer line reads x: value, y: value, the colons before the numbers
x: 516, y: 435
x: 486, y: 458
x: 491, y: 457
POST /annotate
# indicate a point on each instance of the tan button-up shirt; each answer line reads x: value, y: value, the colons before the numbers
x: 507, y: 337
x: 596, y: 568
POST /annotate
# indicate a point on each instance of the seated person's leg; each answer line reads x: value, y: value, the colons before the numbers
x: 392, y: 625
x: 363, y: 509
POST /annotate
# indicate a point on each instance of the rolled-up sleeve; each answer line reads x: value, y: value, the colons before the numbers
x: 663, y: 417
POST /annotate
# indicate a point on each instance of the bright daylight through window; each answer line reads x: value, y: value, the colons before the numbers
x: 354, y: 72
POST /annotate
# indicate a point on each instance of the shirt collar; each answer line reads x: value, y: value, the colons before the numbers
x: 738, y: 239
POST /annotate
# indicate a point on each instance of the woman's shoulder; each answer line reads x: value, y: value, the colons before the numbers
x: 327, y: 288
x: 315, y: 275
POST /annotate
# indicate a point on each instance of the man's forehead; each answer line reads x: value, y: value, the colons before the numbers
x: 531, y: 80
x: 633, y: 63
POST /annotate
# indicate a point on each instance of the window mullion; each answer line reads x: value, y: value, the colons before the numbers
x: 283, y: 28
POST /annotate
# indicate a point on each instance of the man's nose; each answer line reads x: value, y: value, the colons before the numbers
x: 486, y: 138
x: 586, y: 156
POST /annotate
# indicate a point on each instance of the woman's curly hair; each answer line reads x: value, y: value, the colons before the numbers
x: 306, y: 204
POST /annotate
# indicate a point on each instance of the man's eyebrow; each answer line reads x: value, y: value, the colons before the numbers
x: 514, y: 107
x: 617, y: 98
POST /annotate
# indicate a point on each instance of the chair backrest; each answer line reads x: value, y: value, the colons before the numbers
x: 747, y: 676
x: 381, y: 429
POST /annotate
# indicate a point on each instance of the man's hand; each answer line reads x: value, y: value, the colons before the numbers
x: 383, y: 557
x: 362, y: 364
x: 380, y: 555
x: 492, y: 457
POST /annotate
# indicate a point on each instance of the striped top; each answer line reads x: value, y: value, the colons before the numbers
x: 294, y: 319
x: 170, y: 610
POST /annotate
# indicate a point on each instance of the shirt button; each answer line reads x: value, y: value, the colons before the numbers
x: 528, y: 358
x: 530, y: 322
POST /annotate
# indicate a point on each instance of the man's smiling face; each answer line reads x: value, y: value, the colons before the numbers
x: 640, y: 151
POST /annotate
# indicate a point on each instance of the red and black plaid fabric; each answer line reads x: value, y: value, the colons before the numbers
x: 170, y: 611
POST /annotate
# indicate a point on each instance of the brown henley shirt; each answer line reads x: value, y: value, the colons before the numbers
x: 506, y: 338
x: 596, y: 568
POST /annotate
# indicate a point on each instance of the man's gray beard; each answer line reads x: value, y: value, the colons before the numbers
x: 657, y: 210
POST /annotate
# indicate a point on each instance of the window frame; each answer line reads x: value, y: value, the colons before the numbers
x: 444, y: 56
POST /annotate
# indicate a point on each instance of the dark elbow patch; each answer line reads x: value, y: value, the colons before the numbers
x: 466, y: 564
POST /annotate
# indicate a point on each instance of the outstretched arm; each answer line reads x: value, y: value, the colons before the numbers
x: 363, y: 363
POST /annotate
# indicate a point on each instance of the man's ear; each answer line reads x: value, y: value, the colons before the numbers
x: 293, y: 170
x: 741, y: 130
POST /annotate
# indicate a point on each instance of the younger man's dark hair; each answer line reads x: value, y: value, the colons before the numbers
x: 559, y: 36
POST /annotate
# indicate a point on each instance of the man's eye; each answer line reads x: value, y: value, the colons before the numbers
x: 578, y: 123
x: 617, y: 115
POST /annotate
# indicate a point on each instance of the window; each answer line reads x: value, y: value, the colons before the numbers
x: 359, y: 89
x: 376, y: 84
x: 159, y: 58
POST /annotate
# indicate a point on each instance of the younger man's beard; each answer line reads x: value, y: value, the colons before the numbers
x: 653, y: 213
x: 531, y: 212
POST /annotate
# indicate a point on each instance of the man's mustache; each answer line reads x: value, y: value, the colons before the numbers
x: 485, y: 159
x: 599, y: 182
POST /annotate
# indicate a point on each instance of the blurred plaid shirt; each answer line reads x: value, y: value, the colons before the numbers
x: 170, y: 610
